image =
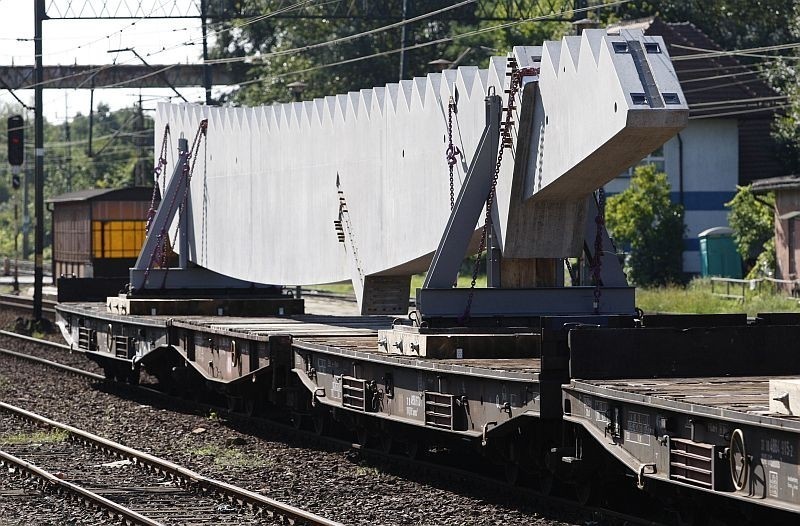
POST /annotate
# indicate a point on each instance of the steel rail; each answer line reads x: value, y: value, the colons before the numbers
x: 53, y: 482
x: 39, y: 341
x: 24, y: 302
x: 50, y: 363
x: 183, y: 475
x: 373, y: 453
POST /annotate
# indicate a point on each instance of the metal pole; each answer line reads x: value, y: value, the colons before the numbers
x: 91, y: 117
x: 206, y: 67
x: 26, y: 220
x: 183, y: 224
x: 39, y: 15
x: 15, y: 170
x: 67, y: 138
x: 403, y: 42
x: 141, y: 142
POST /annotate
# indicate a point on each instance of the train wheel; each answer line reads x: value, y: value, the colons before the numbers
x: 249, y: 406
x: 547, y: 482
x: 297, y: 420
x: 133, y: 376
x: 512, y: 472
x: 387, y: 443
x: 232, y: 402
x: 415, y: 448
x: 584, y: 491
x: 362, y: 436
x: 320, y: 421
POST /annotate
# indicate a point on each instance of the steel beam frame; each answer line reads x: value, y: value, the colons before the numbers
x: 186, y: 276
x: 471, y: 199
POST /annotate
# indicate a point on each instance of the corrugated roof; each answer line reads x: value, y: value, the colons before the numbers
x: 786, y: 182
x: 136, y: 193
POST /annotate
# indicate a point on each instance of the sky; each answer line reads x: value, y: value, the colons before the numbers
x: 87, y: 42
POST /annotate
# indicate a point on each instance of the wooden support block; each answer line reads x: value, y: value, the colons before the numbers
x: 524, y: 273
x: 454, y: 345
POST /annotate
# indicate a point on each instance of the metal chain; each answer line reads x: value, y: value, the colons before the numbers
x: 158, y: 170
x: 452, y: 150
x: 188, y: 171
x: 571, y: 271
x: 597, y: 267
x: 506, y: 141
x: 159, y: 249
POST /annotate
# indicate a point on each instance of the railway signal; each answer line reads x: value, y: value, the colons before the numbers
x: 16, y: 156
x: 16, y: 142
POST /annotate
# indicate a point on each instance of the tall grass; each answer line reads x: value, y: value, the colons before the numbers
x: 697, y: 298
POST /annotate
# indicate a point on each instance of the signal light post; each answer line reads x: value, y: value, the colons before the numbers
x: 38, y: 176
x: 16, y: 157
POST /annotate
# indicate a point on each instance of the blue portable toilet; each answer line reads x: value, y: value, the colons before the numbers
x: 718, y: 255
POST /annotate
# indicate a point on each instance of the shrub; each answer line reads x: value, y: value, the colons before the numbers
x: 752, y: 221
x: 644, y: 219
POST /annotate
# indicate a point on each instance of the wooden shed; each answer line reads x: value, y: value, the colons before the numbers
x: 98, y: 232
x: 787, y: 229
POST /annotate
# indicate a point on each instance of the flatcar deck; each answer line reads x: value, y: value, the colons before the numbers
x: 737, y: 399
x: 355, y: 336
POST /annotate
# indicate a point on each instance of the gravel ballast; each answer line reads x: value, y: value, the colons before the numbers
x: 339, y: 485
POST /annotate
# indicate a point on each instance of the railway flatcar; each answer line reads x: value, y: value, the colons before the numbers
x: 558, y: 381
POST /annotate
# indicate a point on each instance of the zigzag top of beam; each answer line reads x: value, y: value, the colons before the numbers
x: 270, y: 193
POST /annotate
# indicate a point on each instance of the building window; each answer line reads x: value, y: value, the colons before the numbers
x: 117, y: 239
x: 656, y: 158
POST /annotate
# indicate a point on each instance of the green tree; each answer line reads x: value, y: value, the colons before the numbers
x: 752, y: 221
x: 730, y: 23
x: 332, y: 69
x: 644, y: 219
x: 122, y: 139
x: 783, y: 76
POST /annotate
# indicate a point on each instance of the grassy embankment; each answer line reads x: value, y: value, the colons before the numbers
x: 696, y: 297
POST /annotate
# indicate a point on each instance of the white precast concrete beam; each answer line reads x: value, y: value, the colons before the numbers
x: 264, y: 195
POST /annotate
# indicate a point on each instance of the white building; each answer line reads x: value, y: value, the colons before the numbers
x: 727, y: 140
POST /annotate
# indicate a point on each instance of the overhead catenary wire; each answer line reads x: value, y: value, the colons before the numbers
x: 434, y: 42
x: 347, y: 38
x: 441, y: 40
x: 98, y: 69
x: 108, y: 36
x: 741, y: 112
x: 723, y: 85
x: 718, y: 67
x: 754, y: 51
x: 739, y: 101
x: 722, y: 76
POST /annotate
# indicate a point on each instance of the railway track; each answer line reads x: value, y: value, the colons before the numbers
x: 48, y: 306
x: 166, y: 493
x: 377, y: 456
x: 25, y: 303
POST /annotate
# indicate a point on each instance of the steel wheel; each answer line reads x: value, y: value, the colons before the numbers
x: 387, y: 443
x: 512, y: 472
x: 740, y: 465
x: 320, y: 421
